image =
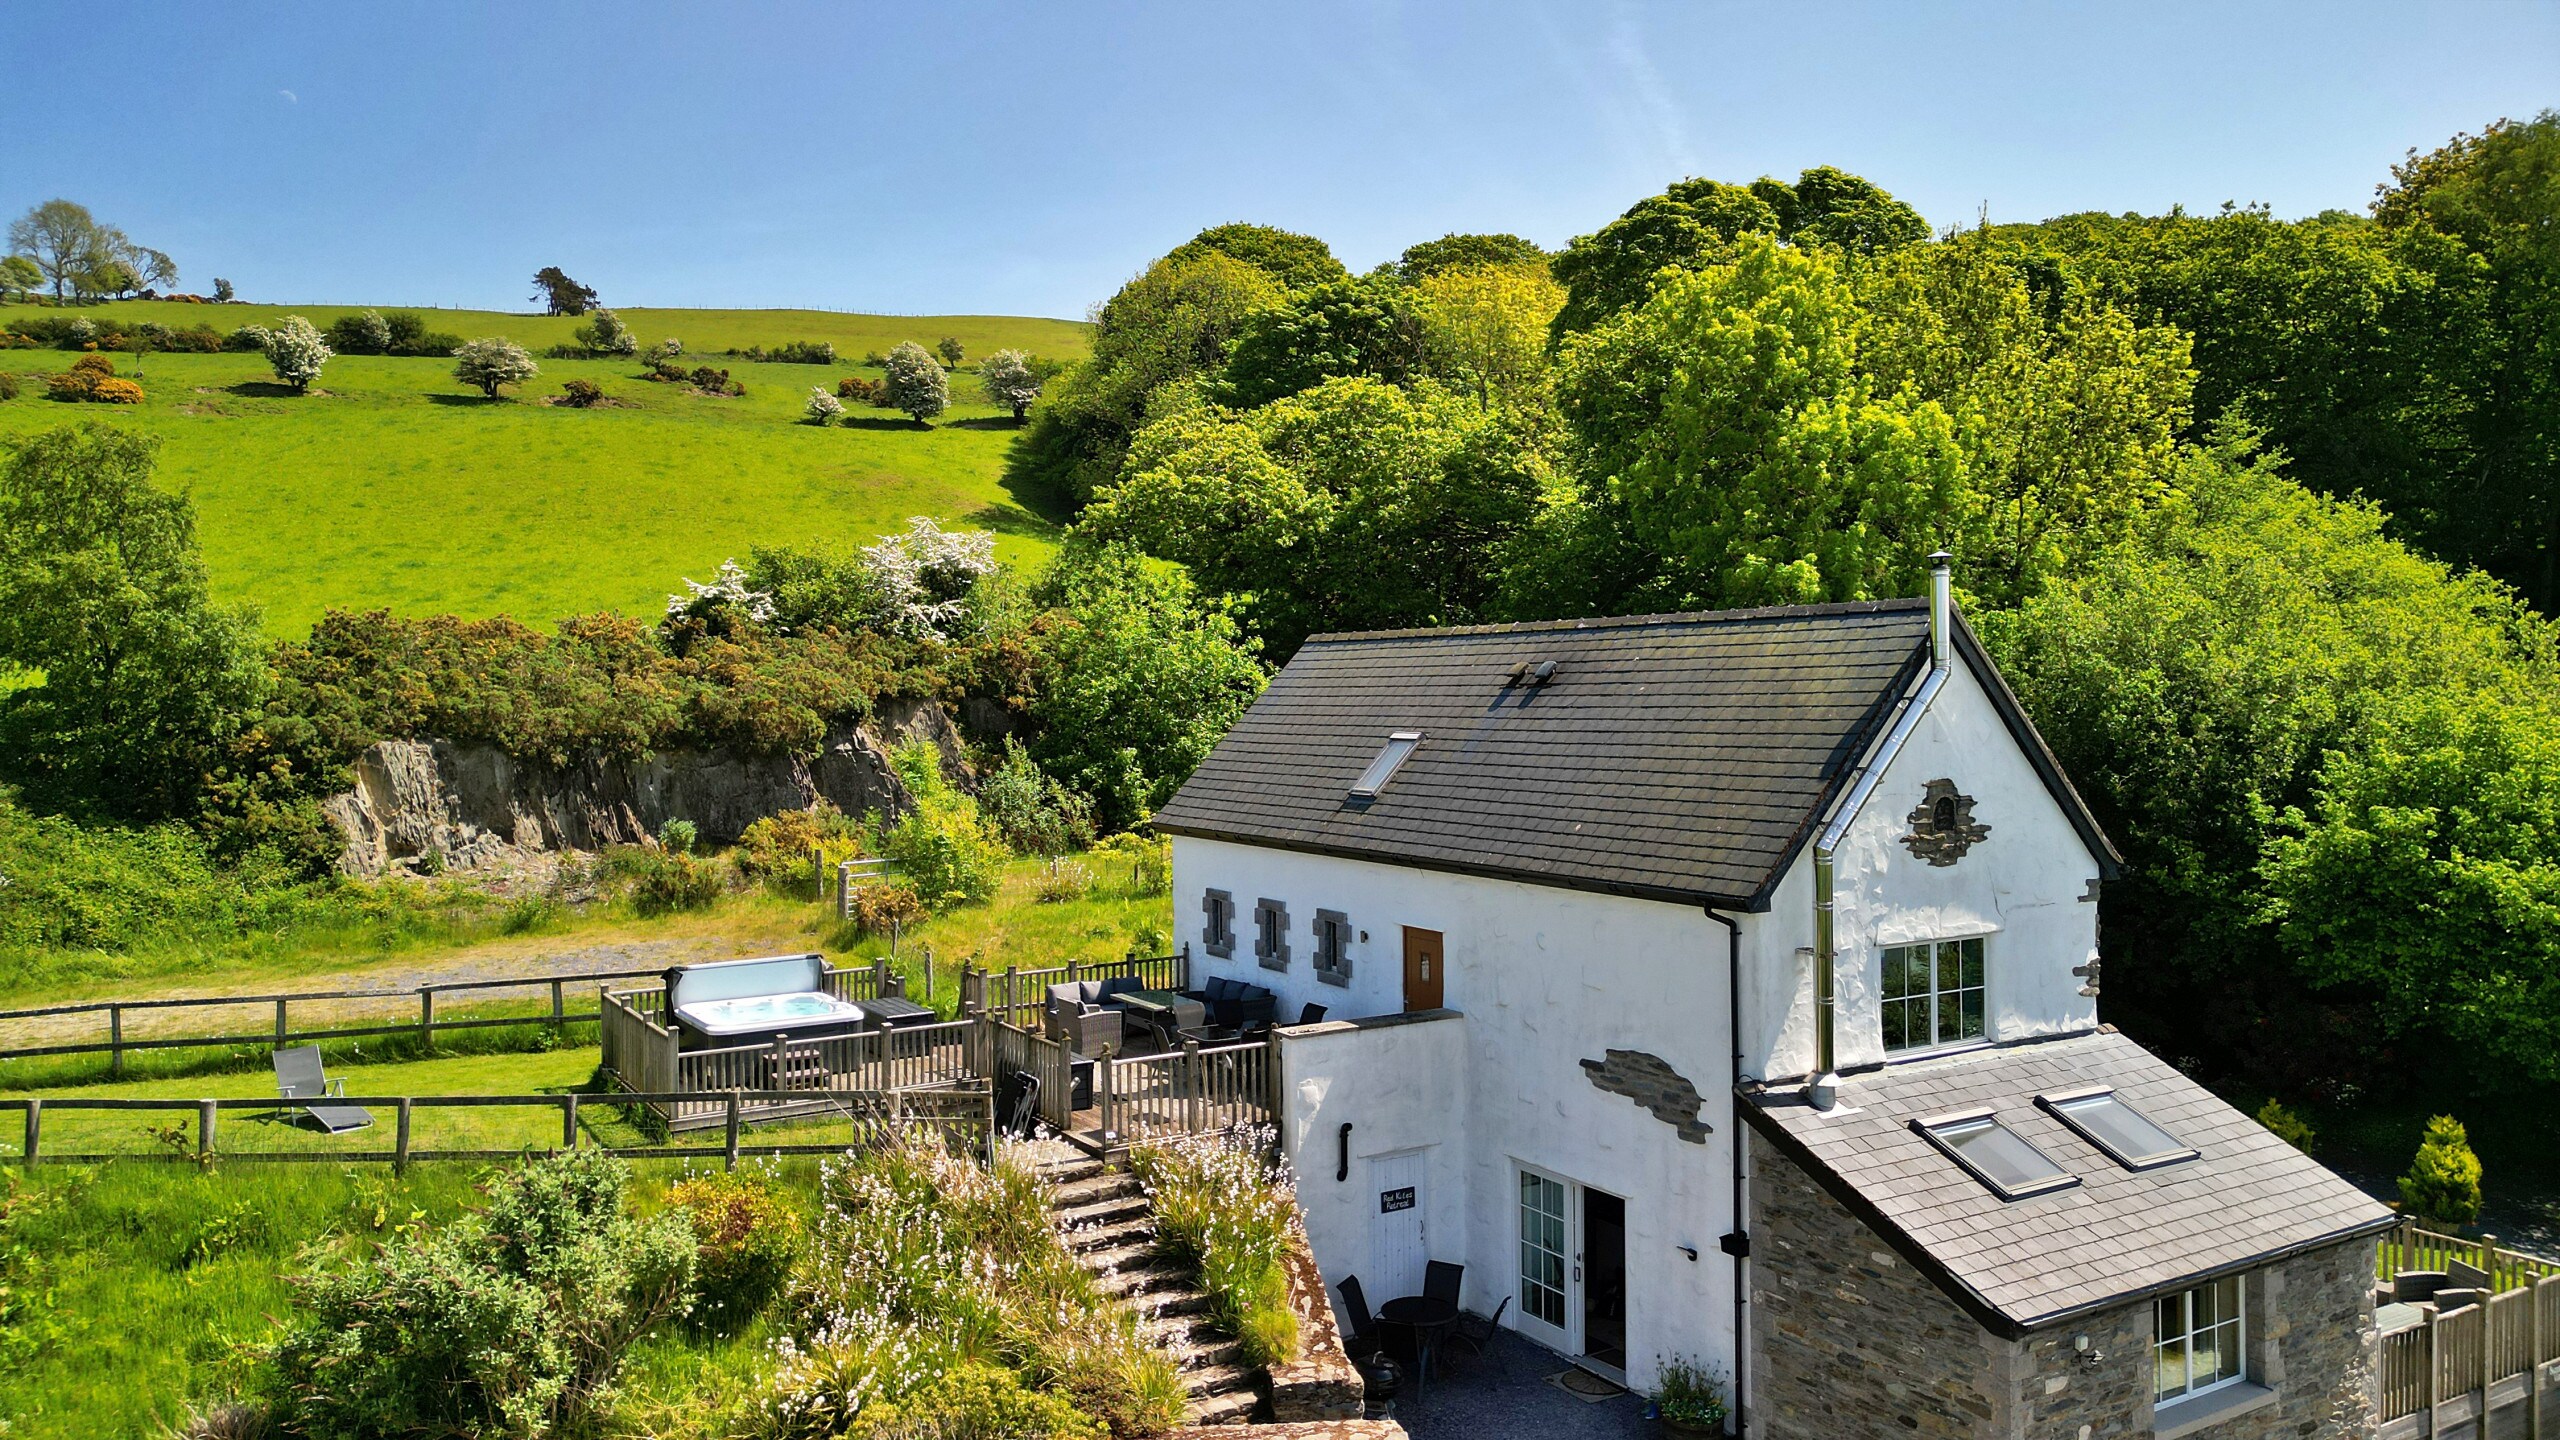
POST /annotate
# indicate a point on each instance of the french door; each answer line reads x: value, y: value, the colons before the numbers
x: 1572, y: 1295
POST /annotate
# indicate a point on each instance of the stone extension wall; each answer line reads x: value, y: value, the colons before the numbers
x: 1849, y: 1341
x: 472, y: 805
x: 1321, y: 1384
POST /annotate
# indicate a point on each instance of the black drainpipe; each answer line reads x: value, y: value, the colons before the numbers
x: 1738, y: 1243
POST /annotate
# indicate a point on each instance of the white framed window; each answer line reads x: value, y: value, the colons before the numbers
x: 1218, y: 932
x: 1932, y: 994
x: 1542, y: 1249
x: 1271, y: 934
x: 2197, y: 1341
x: 1333, y: 947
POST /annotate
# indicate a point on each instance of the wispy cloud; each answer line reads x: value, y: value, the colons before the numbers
x: 289, y: 97
x: 1646, y: 90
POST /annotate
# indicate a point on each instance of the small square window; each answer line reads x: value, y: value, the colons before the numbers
x: 1333, y: 947
x: 2127, y: 1135
x: 1218, y: 933
x: 1271, y: 934
x: 1995, y: 1154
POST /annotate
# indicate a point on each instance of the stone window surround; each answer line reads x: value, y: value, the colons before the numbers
x: 1333, y: 947
x: 1218, y: 931
x: 1271, y: 933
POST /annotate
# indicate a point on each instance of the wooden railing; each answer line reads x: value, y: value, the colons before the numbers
x: 2412, y: 1248
x: 1016, y: 996
x: 809, y: 1075
x: 118, y: 1040
x: 2462, y: 1364
x: 1011, y: 1048
x: 962, y: 1115
x: 1193, y: 1090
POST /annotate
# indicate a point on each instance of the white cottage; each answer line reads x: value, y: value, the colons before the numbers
x: 1584, y: 903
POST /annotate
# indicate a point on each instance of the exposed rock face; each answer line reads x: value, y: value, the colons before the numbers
x: 475, y: 806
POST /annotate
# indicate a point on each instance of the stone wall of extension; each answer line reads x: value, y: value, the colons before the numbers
x: 1321, y: 1384
x: 1849, y: 1341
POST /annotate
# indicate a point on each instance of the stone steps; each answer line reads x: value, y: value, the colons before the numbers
x: 1109, y: 1227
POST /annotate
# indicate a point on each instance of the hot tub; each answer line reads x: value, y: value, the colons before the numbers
x: 804, y: 1013
x: 744, y: 1002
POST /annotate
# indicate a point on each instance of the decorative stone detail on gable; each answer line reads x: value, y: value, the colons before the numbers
x: 1650, y: 1081
x: 1942, y: 827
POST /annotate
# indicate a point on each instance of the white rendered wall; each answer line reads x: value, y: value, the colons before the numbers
x: 1544, y: 978
x: 2020, y: 888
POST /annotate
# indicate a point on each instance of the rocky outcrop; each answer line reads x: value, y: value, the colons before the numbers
x: 474, y: 806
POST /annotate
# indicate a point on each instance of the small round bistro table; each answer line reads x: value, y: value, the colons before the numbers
x: 1426, y: 1319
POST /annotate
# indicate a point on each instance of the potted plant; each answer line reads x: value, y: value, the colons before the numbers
x: 1690, y: 1401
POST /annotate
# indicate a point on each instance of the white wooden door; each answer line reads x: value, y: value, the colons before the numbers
x: 1398, y: 1244
x: 1548, y: 1301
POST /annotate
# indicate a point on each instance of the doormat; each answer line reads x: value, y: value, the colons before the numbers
x: 1584, y: 1386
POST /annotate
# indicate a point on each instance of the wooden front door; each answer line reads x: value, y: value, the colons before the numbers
x: 1423, y: 969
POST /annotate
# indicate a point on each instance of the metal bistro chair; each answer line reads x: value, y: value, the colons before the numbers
x: 1363, y: 1339
x: 1440, y: 1280
x: 1477, y: 1335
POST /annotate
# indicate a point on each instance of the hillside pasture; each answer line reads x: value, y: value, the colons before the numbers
x: 394, y: 485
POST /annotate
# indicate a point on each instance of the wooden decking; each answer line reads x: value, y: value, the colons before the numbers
x: 2480, y: 1370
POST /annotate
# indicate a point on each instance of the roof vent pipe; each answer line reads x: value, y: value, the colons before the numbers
x: 1824, y: 1090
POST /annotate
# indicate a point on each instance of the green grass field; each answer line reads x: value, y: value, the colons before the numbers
x: 396, y: 486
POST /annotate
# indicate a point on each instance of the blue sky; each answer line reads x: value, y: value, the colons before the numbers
x: 1019, y: 158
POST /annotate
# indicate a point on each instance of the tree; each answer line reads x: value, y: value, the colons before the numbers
x: 1010, y: 381
x: 487, y: 363
x: 823, y: 408
x: 1144, y: 679
x: 1484, y: 328
x: 1295, y: 261
x: 1468, y: 252
x: 63, y: 240
x: 916, y: 383
x: 2426, y: 874
x: 1726, y: 423
x: 296, y: 352
x: 1354, y: 505
x: 605, y: 334
x: 223, y: 294
x: 152, y: 269
x: 363, y: 333
x: 559, y: 294
x: 1347, y: 327
x: 19, y: 276
x: 949, y: 348
x: 103, y: 591
x: 2443, y: 1183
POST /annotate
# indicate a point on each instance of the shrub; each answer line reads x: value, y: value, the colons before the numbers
x: 114, y: 391
x: 1688, y: 1395
x: 679, y: 836
x: 2286, y: 1126
x: 777, y: 848
x: 745, y: 1238
x: 916, y: 382
x: 665, y: 882
x: 1225, y: 1209
x: 98, y: 365
x: 1062, y: 881
x: 296, y: 352
x: 1149, y: 858
x: 855, y: 387
x: 948, y: 347
x: 1035, y: 814
x: 881, y: 909
x: 512, y: 1321
x: 941, y: 845
x: 582, y: 394
x: 363, y: 333
x: 715, y: 382
x: 247, y: 338
x: 8, y: 386
x: 823, y: 408
x: 791, y: 352
x: 92, y: 379
x: 1010, y: 381
x: 2443, y: 1183
x: 605, y: 334
x: 490, y: 362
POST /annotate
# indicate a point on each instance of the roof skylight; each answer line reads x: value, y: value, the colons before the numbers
x: 2126, y: 1134
x: 1995, y: 1154
x: 1381, y: 770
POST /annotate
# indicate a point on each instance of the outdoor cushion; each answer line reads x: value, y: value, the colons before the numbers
x: 1118, y: 985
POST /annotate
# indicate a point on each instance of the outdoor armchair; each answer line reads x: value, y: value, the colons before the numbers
x: 301, y: 1077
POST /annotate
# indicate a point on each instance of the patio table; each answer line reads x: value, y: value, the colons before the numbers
x: 891, y: 1013
x: 1166, y: 1012
x: 1426, y: 1319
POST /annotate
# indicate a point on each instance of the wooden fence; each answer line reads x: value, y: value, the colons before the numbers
x: 2411, y: 1248
x: 115, y: 1042
x: 2462, y: 1367
x: 1193, y: 1090
x: 964, y: 1117
x: 1016, y: 996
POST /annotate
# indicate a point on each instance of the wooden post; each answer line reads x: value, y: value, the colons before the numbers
x: 427, y: 1016
x: 897, y: 927
x: 879, y: 978
x: 844, y: 890
x: 205, y: 1110
x: 1182, y: 967
x: 1271, y: 1080
x: 2488, y: 1354
x: 1191, y: 1086
x: 35, y: 1128
x: 1072, y: 976
x: 2533, y: 1341
x: 115, y: 1039
x: 2431, y: 1373
x: 781, y: 1061
x: 1008, y: 993
x: 1101, y: 1092
x: 569, y: 1121
x: 731, y: 1158
x: 818, y: 870
x: 559, y: 1011
x: 400, y: 1138
x: 928, y: 975
x: 280, y: 1024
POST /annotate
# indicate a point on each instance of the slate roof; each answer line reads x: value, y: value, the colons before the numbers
x: 1673, y: 757
x: 2117, y: 1237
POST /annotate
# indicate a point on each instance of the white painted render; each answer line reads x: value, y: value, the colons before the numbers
x: 1542, y: 978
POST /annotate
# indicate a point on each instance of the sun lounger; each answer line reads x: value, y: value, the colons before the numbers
x: 300, y: 1078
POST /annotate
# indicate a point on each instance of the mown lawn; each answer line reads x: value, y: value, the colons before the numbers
x: 396, y: 486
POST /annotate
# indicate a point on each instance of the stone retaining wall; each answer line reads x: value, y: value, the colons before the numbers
x: 1321, y: 1384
